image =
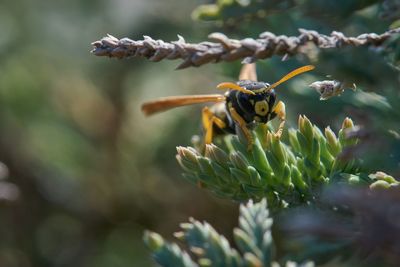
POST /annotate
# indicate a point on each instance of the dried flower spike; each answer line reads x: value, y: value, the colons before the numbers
x: 225, y: 49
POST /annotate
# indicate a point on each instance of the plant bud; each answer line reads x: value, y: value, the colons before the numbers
x: 301, y: 123
x: 243, y: 241
x: 198, y: 251
x: 180, y: 235
x: 239, y: 160
x: 331, y: 139
x: 216, y: 154
x: 308, y: 131
x: 187, y: 226
x: 153, y: 240
x: 187, y: 154
x: 347, y: 123
x: 380, y: 184
x: 252, y: 260
x: 293, y: 140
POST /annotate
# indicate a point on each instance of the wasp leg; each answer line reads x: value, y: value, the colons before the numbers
x: 209, y: 119
x: 243, y: 126
x: 280, y: 111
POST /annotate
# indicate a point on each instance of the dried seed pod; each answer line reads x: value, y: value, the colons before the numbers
x: 330, y: 88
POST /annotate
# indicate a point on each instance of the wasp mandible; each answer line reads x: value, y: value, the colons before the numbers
x: 246, y: 103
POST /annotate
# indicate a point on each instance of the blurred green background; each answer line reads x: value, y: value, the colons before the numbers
x: 87, y: 172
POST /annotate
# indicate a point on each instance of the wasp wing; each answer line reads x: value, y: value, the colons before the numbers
x: 166, y: 103
x: 248, y: 72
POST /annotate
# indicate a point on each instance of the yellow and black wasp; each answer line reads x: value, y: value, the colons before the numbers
x: 246, y: 103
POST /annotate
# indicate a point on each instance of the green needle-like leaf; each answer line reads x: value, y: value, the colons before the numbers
x: 253, y: 239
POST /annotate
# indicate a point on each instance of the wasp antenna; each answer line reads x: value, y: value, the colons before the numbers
x: 291, y: 74
x: 234, y: 86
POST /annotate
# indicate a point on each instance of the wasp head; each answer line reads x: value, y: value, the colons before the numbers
x: 253, y: 107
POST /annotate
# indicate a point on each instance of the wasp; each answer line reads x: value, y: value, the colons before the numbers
x: 246, y: 103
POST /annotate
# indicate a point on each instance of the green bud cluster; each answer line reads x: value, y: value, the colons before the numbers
x: 285, y: 174
x: 253, y: 241
x: 382, y: 181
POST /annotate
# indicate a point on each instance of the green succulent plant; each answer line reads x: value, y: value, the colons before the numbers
x: 286, y: 174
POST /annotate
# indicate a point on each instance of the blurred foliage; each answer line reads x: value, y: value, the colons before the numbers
x: 253, y: 239
x: 363, y: 230
x: 83, y: 182
x: 85, y: 168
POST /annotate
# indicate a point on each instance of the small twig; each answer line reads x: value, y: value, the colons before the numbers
x: 225, y: 49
